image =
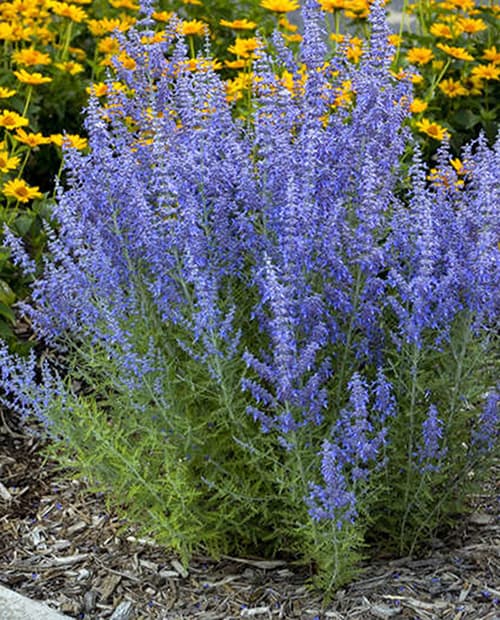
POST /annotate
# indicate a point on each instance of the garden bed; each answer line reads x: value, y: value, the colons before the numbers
x: 59, y: 543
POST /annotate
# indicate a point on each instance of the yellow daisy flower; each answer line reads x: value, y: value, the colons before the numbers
x: 108, y: 45
x: 192, y: 27
x: 458, y: 166
x: 441, y: 30
x: 464, y: 5
x: 243, y: 47
x: 331, y: 5
x: 31, y: 139
x: 30, y: 57
x: 395, y: 40
x: 202, y: 64
x: 153, y: 37
x: 280, y: 6
x: 356, y: 9
x: 354, y: 53
x: 492, y: 55
x: 474, y: 85
x: 70, y: 66
x: 236, y: 87
x: 126, y: 61
x: 99, y: 90
x: 42, y: 34
x: 74, y: 13
x: 419, y: 55
x: 21, y: 191
x: 287, y: 25
x: 162, y: 16
x: 78, y: 52
x: 72, y: 140
x: 5, y: 93
x: 6, y: 31
x: 456, y: 52
x: 418, y: 105
x: 452, y: 88
x: 344, y: 95
x: 12, y: 120
x: 432, y: 129
x: 471, y: 26
x: 294, y: 37
x: 486, y: 72
x: 31, y: 78
x: 235, y: 64
x: 337, y: 37
x: 8, y: 163
x: 238, y: 24
x: 124, y: 4
x: 100, y: 27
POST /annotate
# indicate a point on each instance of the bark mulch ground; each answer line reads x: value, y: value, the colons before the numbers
x: 59, y: 544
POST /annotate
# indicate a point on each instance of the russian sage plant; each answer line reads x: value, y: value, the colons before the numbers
x: 284, y: 326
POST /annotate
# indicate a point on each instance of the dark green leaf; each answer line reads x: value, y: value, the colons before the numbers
x: 466, y: 119
x: 24, y: 222
x: 7, y: 313
x: 7, y: 295
x: 6, y: 332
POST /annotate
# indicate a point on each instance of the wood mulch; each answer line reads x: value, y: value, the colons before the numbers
x: 59, y: 544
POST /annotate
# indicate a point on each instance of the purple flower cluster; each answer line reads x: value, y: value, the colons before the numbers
x: 27, y: 389
x: 430, y: 453
x: 288, y: 244
x: 18, y: 253
x: 355, y: 447
x: 442, y: 254
x: 485, y: 435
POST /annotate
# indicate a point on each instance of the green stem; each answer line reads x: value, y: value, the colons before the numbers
x: 29, y: 92
x: 411, y: 431
x: 436, y: 81
x: 299, y: 496
x: 400, y: 34
x: 67, y: 41
x: 459, y: 358
x: 25, y: 161
x: 191, y: 47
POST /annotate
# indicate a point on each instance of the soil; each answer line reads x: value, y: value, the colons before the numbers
x: 59, y: 543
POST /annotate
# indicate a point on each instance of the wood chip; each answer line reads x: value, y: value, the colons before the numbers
x: 89, y: 601
x: 76, y: 528
x: 109, y: 585
x: 69, y: 559
x: 481, y: 518
x: 250, y: 612
x: 4, y: 493
x: 176, y: 565
x: 464, y: 593
x: 384, y: 611
x: 124, y: 611
x: 263, y: 564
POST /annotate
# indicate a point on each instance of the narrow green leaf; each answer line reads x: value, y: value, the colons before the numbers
x: 7, y: 295
x: 7, y: 313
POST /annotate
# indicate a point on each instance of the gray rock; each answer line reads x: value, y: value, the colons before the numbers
x: 14, y: 606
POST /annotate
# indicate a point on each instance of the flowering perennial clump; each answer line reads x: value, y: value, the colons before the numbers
x: 284, y: 325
